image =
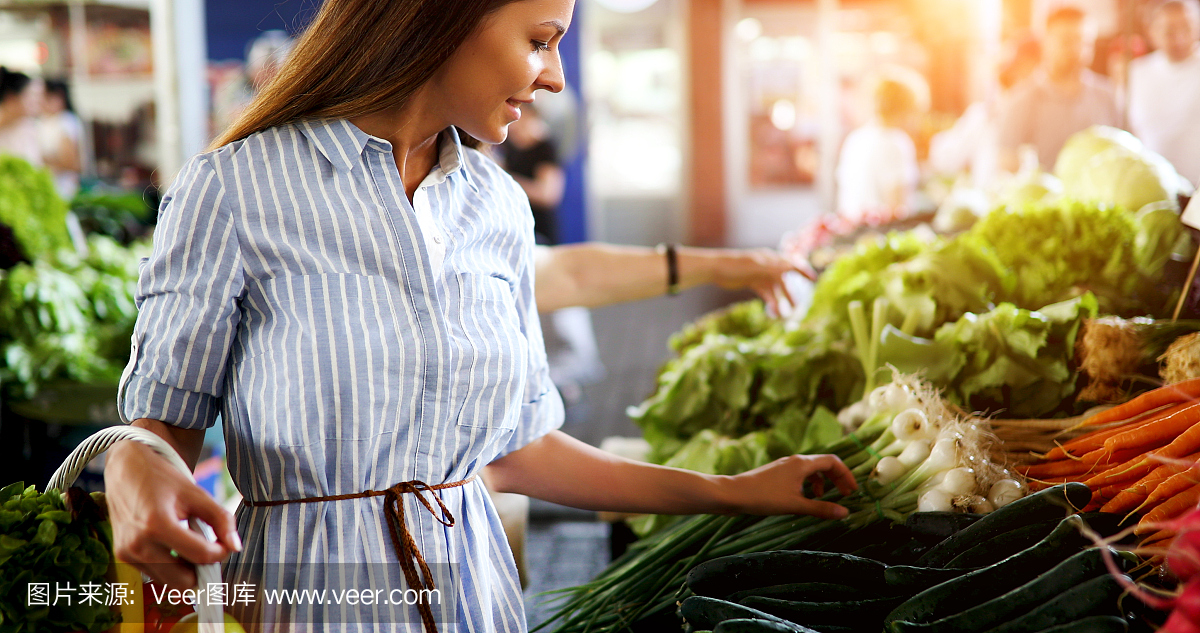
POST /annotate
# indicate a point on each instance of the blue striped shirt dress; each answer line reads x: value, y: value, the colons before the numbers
x: 349, y: 340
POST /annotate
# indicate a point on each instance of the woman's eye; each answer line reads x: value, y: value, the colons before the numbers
x: 539, y: 45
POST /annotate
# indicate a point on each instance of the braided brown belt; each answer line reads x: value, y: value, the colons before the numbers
x: 406, y: 547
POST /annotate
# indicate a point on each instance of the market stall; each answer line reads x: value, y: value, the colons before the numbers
x: 1010, y: 391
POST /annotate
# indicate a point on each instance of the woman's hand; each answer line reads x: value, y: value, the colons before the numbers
x: 760, y: 269
x: 778, y: 487
x: 147, y: 499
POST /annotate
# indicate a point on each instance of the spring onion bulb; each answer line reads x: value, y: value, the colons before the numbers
x: 943, y: 455
x: 853, y: 416
x: 888, y: 469
x: 935, y: 500
x: 958, y: 482
x: 1005, y: 491
x: 979, y: 504
x: 914, y: 453
x: 912, y: 424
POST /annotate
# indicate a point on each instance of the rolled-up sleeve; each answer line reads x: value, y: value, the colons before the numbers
x: 541, y: 407
x: 188, y: 306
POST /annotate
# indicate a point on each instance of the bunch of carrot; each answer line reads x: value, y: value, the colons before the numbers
x: 1138, y: 458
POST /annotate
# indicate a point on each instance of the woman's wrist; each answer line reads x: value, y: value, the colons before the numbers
x: 722, y: 494
x: 695, y: 266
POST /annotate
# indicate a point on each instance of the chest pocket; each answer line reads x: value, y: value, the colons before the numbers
x: 493, y: 352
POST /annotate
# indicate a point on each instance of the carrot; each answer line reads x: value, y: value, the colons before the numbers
x: 1187, y: 443
x: 1129, y: 498
x: 1171, y: 508
x: 1092, y: 462
x: 1168, y: 488
x: 1095, y: 439
x: 1059, y: 468
x: 1168, y: 394
x: 1158, y: 432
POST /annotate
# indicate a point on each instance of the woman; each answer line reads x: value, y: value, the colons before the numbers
x: 349, y: 285
x: 59, y: 132
x: 20, y: 100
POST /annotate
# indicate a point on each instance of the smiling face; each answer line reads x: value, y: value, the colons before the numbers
x: 497, y: 69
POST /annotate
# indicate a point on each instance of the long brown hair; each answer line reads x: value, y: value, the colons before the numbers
x: 359, y: 57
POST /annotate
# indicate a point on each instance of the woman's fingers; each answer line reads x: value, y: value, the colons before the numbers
x: 222, y: 522
x: 821, y: 509
x: 833, y: 469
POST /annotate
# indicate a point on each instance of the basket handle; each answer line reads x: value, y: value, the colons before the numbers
x: 211, y: 616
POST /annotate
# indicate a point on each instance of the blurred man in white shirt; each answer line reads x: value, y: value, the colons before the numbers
x: 1164, y: 87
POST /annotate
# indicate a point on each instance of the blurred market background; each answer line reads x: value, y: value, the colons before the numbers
x: 701, y: 122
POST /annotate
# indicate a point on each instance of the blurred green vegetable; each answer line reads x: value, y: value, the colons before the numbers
x: 31, y: 207
x: 69, y: 319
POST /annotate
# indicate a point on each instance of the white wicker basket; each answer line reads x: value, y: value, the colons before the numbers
x: 211, y: 616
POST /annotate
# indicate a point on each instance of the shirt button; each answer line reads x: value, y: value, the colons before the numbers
x: 437, y: 240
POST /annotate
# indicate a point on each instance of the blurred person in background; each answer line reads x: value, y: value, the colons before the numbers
x: 970, y: 146
x: 265, y: 55
x: 1164, y: 87
x: 20, y: 102
x: 877, y: 171
x: 59, y: 131
x: 531, y: 158
x: 1060, y: 98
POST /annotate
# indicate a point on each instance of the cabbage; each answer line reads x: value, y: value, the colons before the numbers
x: 1081, y: 147
x: 1122, y: 178
x: 1107, y: 166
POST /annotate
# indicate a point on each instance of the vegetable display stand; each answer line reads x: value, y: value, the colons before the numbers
x: 211, y: 616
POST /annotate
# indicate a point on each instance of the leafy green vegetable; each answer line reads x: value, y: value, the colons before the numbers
x: 30, y: 205
x: 42, y: 542
x: 69, y: 319
x: 1060, y: 250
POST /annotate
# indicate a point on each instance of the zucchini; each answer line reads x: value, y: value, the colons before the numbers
x: 851, y: 613
x: 752, y: 625
x: 979, y: 586
x: 1097, y: 596
x: 940, y: 525
x: 811, y: 591
x: 1073, y: 571
x: 1052, y: 503
x: 703, y: 613
x: 1005, y: 545
x: 1092, y: 624
x: 906, y: 579
x: 730, y: 574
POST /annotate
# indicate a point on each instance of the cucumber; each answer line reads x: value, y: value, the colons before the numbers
x: 1097, y: 596
x: 811, y: 591
x: 703, y: 613
x: 979, y: 586
x: 909, y: 580
x: 1092, y: 624
x: 940, y: 525
x: 1005, y: 545
x: 1073, y: 571
x: 752, y: 625
x: 1052, y: 503
x: 852, y: 613
x: 730, y: 574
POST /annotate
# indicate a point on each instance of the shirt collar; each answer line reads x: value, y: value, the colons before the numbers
x: 342, y: 144
x: 338, y: 140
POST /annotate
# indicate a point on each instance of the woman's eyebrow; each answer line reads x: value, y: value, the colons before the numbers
x: 557, y: 24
